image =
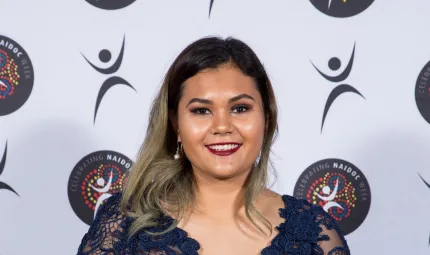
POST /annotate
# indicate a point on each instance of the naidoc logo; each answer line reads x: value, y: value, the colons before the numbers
x: 342, y: 8
x: 334, y: 64
x: 5, y: 186
x: 340, y: 188
x: 105, y: 56
x: 428, y: 186
x: 422, y: 92
x: 94, y: 179
x: 16, y: 76
x: 110, y: 4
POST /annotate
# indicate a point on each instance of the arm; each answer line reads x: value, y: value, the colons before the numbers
x: 106, y: 231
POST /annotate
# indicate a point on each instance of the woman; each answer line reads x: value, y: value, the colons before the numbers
x: 199, y: 183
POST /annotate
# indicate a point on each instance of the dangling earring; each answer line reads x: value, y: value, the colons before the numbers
x: 177, y: 155
x: 258, y: 158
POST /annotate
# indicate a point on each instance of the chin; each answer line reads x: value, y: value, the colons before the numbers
x: 226, y: 173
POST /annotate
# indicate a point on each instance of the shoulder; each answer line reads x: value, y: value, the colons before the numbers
x: 108, y: 230
x: 110, y: 211
x: 288, y: 205
x: 111, y: 207
x: 300, y: 211
x: 312, y: 226
x: 295, y: 205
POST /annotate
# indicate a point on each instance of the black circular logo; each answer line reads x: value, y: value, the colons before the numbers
x: 340, y: 188
x: 341, y: 8
x: 94, y: 179
x: 110, y: 4
x: 16, y: 76
x: 422, y: 92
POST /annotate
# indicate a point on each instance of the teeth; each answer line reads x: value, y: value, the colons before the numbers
x: 225, y: 147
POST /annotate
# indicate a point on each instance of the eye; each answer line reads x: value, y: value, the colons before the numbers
x: 240, y: 108
x: 200, y: 111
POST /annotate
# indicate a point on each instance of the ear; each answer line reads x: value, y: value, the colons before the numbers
x: 174, y: 121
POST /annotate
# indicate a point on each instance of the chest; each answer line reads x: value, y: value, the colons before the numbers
x: 230, y: 244
x: 231, y: 239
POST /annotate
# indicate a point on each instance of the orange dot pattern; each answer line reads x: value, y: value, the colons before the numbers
x: 9, y: 76
x: 345, y: 195
x: 89, y: 194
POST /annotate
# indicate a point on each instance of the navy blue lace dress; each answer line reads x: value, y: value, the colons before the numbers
x: 307, y: 230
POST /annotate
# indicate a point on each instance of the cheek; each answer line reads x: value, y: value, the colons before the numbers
x: 193, y: 130
x: 252, y: 130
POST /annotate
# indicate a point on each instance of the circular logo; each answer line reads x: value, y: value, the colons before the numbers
x: 340, y: 188
x: 110, y: 4
x: 16, y: 76
x: 94, y: 179
x: 341, y: 8
x: 422, y: 92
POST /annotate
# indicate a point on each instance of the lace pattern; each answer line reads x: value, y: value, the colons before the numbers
x: 307, y: 230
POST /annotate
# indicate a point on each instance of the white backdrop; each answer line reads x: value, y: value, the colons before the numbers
x: 382, y: 134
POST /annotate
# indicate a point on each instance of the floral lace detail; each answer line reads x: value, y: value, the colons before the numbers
x: 108, y: 235
x: 305, y: 226
x: 302, y: 231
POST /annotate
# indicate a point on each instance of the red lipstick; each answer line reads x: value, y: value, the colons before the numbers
x: 223, y: 152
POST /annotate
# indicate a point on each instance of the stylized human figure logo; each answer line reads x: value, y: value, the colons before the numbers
x: 104, y: 190
x: 4, y: 186
x: 95, y: 178
x: 210, y: 7
x: 334, y: 64
x: 335, y: 194
x: 428, y: 186
x: 330, y: 197
x: 105, y: 56
x: 340, y: 188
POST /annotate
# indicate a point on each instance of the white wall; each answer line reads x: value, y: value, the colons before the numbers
x: 383, y: 134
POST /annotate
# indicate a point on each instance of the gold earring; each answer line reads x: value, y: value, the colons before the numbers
x: 177, y: 155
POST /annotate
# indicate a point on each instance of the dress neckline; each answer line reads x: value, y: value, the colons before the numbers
x: 270, y: 246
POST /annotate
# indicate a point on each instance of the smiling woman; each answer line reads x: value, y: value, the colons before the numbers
x: 220, y: 122
x: 199, y: 185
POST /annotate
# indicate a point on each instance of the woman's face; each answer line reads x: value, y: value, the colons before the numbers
x: 221, y: 122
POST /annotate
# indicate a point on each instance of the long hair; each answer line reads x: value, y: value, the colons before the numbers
x: 156, y: 179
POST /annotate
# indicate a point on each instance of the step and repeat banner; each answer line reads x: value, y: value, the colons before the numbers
x: 352, y: 80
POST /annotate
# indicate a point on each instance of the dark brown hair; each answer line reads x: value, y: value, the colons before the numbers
x: 156, y: 177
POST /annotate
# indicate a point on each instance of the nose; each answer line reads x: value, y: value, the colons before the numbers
x: 222, y: 123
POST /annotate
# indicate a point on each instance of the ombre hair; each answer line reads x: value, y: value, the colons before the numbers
x: 156, y: 179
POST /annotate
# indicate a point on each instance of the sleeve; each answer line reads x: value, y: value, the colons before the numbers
x: 107, y: 230
x: 331, y: 239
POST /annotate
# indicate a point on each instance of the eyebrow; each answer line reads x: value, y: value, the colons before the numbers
x: 231, y: 100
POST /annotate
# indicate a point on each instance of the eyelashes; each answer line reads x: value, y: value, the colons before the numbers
x: 237, y: 109
x: 199, y: 111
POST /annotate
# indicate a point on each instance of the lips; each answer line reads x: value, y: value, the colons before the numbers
x: 223, y: 149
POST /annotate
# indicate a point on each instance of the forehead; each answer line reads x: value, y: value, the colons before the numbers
x: 223, y: 81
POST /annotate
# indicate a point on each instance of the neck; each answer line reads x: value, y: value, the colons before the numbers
x: 221, y: 198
